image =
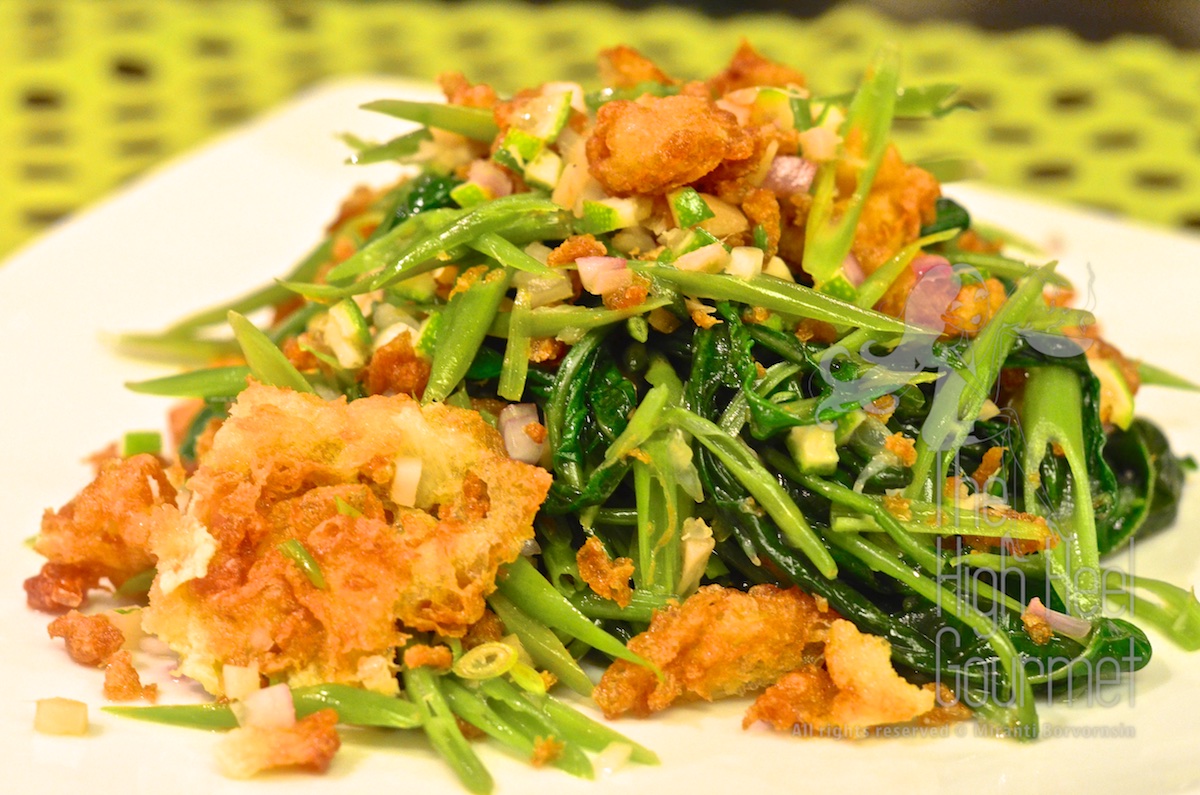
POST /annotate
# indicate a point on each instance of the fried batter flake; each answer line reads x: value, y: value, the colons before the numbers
x: 857, y: 688
x: 657, y: 144
x: 309, y: 745
x: 720, y: 642
x: 59, y: 587
x: 606, y: 577
x: 122, y: 683
x: 90, y: 639
x: 625, y: 67
x: 286, y: 466
x: 105, y: 528
x: 749, y: 69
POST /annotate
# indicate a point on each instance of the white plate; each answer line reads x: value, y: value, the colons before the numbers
x: 239, y: 212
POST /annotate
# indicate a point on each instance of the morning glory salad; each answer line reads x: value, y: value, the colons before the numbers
x: 666, y: 391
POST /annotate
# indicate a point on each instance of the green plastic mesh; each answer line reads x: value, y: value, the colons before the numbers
x: 96, y: 91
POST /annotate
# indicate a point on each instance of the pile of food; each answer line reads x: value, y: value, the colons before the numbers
x: 700, y: 382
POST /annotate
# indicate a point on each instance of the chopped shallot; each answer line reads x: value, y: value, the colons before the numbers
x: 1060, y: 623
x: 853, y: 270
x: 591, y: 269
x: 512, y: 424
x: 790, y: 175
x: 922, y: 263
x: 488, y: 176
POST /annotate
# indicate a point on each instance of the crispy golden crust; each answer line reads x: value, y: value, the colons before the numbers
x: 397, y: 369
x: 422, y: 655
x: 1037, y: 628
x: 90, y: 640
x: 309, y: 745
x: 573, y: 248
x: 546, y: 750
x: 59, y: 587
x: 901, y: 199
x: 762, y: 208
x: 658, y: 144
x: 720, y: 642
x: 122, y: 683
x: 633, y: 294
x: 990, y: 465
x: 748, y: 69
x: 973, y: 307
x: 460, y: 91
x: 857, y: 688
x: 902, y: 447
x: 607, y: 577
x: 105, y: 528
x: 290, y: 466
x: 625, y: 67
x: 488, y: 629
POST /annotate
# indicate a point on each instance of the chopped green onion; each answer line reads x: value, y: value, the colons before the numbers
x: 485, y: 661
x: 138, y: 442
x: 299, y: 554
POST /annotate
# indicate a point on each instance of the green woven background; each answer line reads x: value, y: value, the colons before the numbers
x: 93, y: 92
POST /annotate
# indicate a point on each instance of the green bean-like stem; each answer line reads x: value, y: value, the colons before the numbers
x: 174, y: 348
x: 543, y: 645
x: 927, y: 558
x: 930, y: 519
x: 588, y: 733
x: 1176, y: 613
x: 358, y: 707
x: 474, y: 123
x: 962, y: 394
x: 508, y: 255
x: 526, y: 588
x: 551, y: 321
x: 559, y: 557
x: 775, y: 295
x: 738, y: 458
x: 267, y: 362
x: 1050, y: 413
x: 527, y: 715
x: 515, y: 367
x: 398, y: 148
x: 462, y: 332
x: 355, y: 706
x: 191, y: 716
x: 437, y: 718
x: 1004, y: 267
x: 392, y: 244
x: 647, y: 418
x: 829, y: 231
x: 486, y: 218
x: 211, y: 382
x: 1152, y: 375
x: 640, y: 609
x: 472, y: 707
x: 570, y: 724
x: 532, y: 214
x: 662, y: 508
x: 735, y: 414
